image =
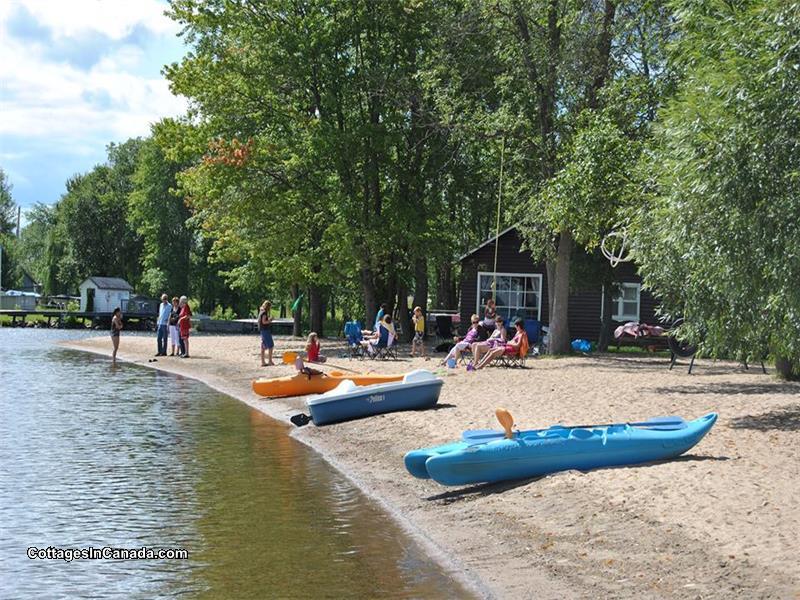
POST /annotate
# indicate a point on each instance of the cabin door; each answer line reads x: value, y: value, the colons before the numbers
x: 89, y: 299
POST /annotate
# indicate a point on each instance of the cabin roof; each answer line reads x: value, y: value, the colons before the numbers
x: 489, y: 241
x: 110, y: 283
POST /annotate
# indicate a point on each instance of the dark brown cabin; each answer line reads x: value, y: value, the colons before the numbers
x: 522, y: 289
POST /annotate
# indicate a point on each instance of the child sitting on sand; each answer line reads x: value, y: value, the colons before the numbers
x: 419, y: 332
x: 312, y: 349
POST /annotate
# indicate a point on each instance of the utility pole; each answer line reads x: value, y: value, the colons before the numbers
x: 19, y: 218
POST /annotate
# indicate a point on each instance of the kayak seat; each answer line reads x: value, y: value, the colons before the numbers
x: 418, y: 375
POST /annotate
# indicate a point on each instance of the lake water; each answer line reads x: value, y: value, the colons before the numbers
x: 127, y: 457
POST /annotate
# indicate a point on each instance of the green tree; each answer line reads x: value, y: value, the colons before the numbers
x: 159, y: 215
x: 317, y: 111
x: 8, y: 242
x: 557, y: 71
x: 8, y: 208
x: 33, y: 245
x: 719, y: 238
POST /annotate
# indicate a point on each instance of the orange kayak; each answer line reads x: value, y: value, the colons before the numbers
x: 300, y: 384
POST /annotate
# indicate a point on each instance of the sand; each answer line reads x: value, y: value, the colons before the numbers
x: 719, y: 522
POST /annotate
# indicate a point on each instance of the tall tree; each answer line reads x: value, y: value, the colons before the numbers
x: 555, y: 68
x: 719, y: 238
x: 314, y: 109
x: 8, y: 208
x: 41, y: 220
x: 159, y: 215
x: 8, y: 222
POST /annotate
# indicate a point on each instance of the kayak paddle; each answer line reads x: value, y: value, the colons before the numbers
x: 487, y: 435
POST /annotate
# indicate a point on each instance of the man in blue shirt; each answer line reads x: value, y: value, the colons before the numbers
x: 163, y: 325
x: 380, y: 315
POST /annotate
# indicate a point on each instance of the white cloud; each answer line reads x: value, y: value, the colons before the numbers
x: 112, y: 100
x: 113, y: 18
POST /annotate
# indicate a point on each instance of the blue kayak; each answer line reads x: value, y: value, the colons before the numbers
x: 489, y: 458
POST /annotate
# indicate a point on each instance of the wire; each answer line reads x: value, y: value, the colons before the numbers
x: 497, y: 222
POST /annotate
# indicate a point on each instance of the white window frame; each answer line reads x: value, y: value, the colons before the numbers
x: 617, y: 314
x: 479, y: 308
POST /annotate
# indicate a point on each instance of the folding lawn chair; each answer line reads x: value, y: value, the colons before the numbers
x: 444, y: 328
x: 385, y: 350
x: 352, y: 332
x: 466, y: 356
x: 517, y: 359
x: 532, y: 329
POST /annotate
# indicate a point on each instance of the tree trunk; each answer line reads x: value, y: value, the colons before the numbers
x: 332, y: 306
x: 551, y: 288
x: 297, y: 324
x: 444, y: 286
x: 787, y: 369
x: 316, y: 309
x: 559, y: 320
x: 368, y: 291
x: 606, y: 322
x: 421, y: 284
x: 402, y: 313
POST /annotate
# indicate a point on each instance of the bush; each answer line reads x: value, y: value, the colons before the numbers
x: 221, y: 313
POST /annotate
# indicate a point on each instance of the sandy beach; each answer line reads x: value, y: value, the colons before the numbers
x: 715, y: 523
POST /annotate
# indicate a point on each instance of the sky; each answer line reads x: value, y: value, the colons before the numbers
x: 76, y: 75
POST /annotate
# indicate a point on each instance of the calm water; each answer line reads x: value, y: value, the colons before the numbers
x: 92, y: 456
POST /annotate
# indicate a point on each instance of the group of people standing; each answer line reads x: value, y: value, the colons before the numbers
x: 173, y: 326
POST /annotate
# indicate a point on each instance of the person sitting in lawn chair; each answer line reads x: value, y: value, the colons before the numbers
x: 517, y: 347
x: 381, y: 340
x: 473, y: 336
x: 498, y: 338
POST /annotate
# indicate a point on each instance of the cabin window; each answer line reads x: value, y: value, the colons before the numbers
x: 517, y: 294
x: 625, y: 302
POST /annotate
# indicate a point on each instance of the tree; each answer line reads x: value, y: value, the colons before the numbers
x: 33, y: 245
x: 8, y: 243
x: 8, y: 209
x: 553, y: 68
x: 315, y: 110
x: 159, y: 215
x: 719, y: 238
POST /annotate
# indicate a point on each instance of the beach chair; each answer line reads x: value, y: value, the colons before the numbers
x: 384, y: 348
x: 466, y: 356
x: 352, y: 332
x: 389, y: 351
x: 444, y: 328
x: 532, y: 329
x: 517, y: 359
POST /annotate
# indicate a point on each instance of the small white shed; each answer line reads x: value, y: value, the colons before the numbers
x: 104, y: 294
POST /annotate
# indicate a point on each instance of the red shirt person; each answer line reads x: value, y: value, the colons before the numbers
x: 185, y: 325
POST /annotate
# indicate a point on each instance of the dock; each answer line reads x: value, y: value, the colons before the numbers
x: 144, y: 320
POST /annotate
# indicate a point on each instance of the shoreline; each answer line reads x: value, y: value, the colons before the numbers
x: 713, y: 523
x: 431, y: 549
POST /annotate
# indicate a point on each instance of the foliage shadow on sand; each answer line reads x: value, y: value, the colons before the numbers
x: 781, y: 419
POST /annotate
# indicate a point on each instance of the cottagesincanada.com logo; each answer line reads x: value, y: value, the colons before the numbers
x: 106, y: 553
x: 375, y: 398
